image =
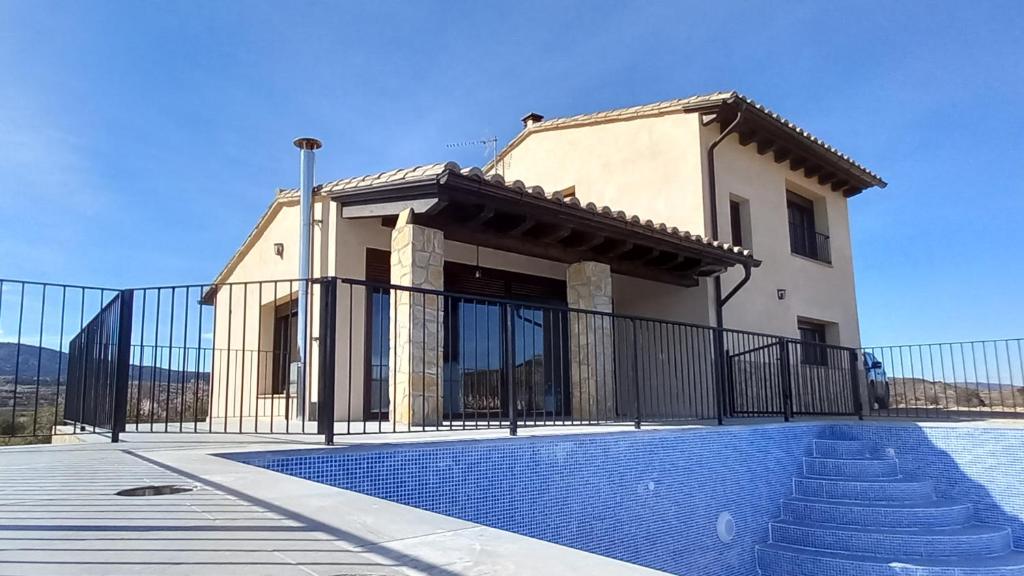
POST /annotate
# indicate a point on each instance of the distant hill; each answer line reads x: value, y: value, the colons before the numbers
x: 49, y: 362
x: 30, y: 358
x: 921, y: 392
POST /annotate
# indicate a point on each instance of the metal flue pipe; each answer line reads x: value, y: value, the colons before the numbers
x: 307, y: 161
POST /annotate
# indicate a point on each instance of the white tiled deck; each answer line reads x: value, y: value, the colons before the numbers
x: 59, y: 516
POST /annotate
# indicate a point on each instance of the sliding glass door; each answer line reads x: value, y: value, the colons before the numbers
x: 488, y: 346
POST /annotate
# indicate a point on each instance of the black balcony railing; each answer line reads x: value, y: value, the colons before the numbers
x: 809, y: 243
x: 379, y: 358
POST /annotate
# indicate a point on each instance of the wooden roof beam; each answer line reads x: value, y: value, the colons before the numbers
x: 482, y: 217
x: 812, y: 170
x: 782, y: 154
x: 838, y: 185
x: 579, y: 240
x: 555, y: 233
x: 637, y: 253
x: 764, y: 145
x: 522, y: 227
x: 619, y: 247
x: 664, y: 259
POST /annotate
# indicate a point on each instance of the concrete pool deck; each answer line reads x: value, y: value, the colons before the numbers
x: 59, y: 514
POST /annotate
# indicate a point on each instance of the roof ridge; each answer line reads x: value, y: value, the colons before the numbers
x: 640, y: 107
x: 679, y: 105
x: 400, y: 173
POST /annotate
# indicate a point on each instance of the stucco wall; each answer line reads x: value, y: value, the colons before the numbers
x: 650, y: 167
x: 638, y: 297
x: 654, y: 167
x: 814, y: 290
x: 244, y: 314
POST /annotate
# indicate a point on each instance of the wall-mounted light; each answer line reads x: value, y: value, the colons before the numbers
x: 279, y: 249
x: 781, y: 293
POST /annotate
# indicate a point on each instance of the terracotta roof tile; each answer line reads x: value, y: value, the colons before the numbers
x: 433, y: 171
x: 674, y: 106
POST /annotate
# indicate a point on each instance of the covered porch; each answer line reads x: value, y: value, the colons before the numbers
x: 541, y: 322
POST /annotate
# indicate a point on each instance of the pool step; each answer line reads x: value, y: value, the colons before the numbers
x: 853, y: 514
x: 782, y: 560
x: 826, y: 448
x: 922, y: 514
x: 864, y: 489
x: 859, y: 467
x: 958, y: 541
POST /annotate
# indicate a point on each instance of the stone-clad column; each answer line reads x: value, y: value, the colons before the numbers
x: 415, y: 380
x: 591, y: 341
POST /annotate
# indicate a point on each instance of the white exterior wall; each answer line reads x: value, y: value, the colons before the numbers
x: 814, y: 290
x: 655, y: 168
x: 650, y: 167
x: 244, y: 313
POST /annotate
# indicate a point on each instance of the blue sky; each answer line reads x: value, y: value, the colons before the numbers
x: 139, y: 141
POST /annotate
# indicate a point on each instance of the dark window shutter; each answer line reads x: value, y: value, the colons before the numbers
x: 378, y: 266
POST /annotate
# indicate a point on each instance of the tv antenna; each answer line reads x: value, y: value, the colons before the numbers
x: 490, y: 145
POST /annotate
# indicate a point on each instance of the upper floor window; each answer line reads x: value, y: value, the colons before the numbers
x: 804, y: 238
x: 736, y: 223
x: 739, y: 221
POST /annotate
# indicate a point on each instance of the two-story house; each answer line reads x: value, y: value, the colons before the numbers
x: 651, y: 218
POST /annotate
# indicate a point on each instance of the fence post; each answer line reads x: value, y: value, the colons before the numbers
x: 122, y: 364
x: 510, y: 350
x: 636, y: 373
x: 720, y: 372
x: 858, y: 406
x: 327, y: 351
x: 787, y: 381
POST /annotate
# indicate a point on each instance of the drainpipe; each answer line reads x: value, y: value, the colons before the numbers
x: 307, y: 159
x: 720, y: 351
x: 713, y: 198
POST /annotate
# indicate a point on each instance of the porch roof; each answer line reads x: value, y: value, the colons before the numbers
x: 483, y: 210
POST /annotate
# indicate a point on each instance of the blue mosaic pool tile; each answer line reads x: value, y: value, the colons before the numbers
x: 649, y: 497
x: 982, y: 465
x: 653, y: 497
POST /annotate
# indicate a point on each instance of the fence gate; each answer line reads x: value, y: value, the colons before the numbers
x: 787, y: 377
x: 98, y: 364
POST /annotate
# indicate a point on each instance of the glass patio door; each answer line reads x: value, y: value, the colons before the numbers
x: 478, y: 336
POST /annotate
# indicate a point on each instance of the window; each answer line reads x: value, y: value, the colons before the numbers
x: 286, y: 345
x: 376, y: 401
x: 812, y: 338
x: 736, y: 223
x: 804, y: 238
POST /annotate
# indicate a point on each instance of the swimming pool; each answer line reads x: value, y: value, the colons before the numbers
x: 687, y: 501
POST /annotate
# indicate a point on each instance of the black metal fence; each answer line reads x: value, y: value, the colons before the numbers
x: 97, y: 370
x: 38, y: 321
x: 377, y: 358
x: 773, y: 376
x: 980, y: 378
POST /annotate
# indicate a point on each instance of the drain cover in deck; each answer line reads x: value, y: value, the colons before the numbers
x: 162, y: 490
